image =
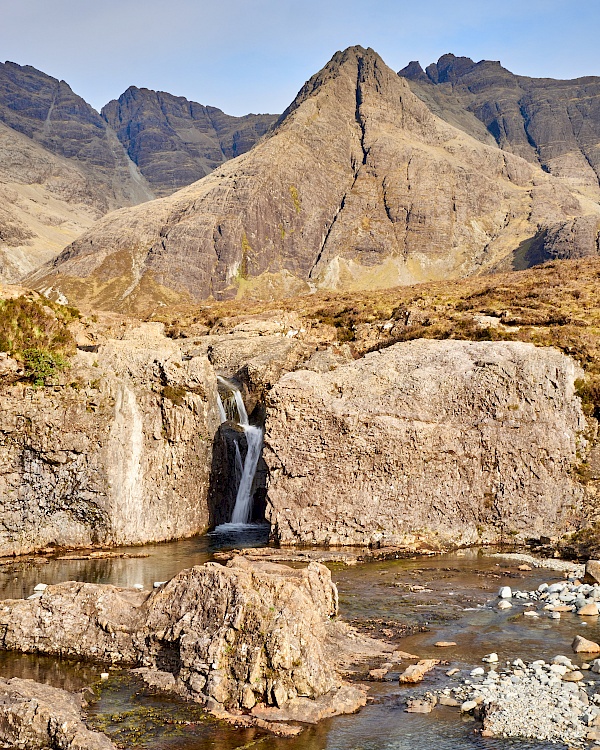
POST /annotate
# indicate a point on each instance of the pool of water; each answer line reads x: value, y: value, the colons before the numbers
x: 448, y: 597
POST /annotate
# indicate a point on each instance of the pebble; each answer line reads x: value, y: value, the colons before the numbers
x: 582, y: 646
x: 468, y: 706
x: 452, y: 672
x: 504, y: 604
x: 490, y: 658
x: 477, y: 672
x: 444, y: 644
x: 505, y: 592
x: 158, y: 584
x: 104, y: 676
x: 138, y: 586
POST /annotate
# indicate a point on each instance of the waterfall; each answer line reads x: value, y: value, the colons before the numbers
x: 246, y: 469
x: 222, y: 413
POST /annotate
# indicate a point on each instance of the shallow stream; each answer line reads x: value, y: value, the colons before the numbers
x: 447, y: 597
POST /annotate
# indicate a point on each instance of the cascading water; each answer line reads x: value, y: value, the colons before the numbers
x: 246, y: 469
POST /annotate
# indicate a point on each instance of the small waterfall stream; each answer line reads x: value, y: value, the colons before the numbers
x: 246, y: 469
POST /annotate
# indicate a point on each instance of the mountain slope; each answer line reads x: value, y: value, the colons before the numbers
x: 61, y: 169
x: 175, y: 142
x: 358, y: 186
x: 553, y: 123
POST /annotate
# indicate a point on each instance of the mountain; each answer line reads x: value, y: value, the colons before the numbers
x: 175, y: 142
x: 358, y: 186
x: 61, y: 168
x: 553, y: 123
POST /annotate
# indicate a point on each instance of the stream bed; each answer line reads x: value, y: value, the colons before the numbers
x: 414, y: 602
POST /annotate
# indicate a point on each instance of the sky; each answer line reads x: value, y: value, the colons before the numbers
x: 254, y: 55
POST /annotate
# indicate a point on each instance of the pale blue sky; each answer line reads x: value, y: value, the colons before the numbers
x: 254, y: 55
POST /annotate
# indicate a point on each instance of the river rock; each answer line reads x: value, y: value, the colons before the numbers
x: 222, y: 635
x: 444, y: 644
x: 119, y: 453
x: 416, y: 672
x: 588, y: 610
x: 420, y: 706
x: 592, y: 571
x: 574, y: 676
x: 582, y: 646
x: 505, y: 592
x: 504, y: 604
x: 36, y: 717
x: 399, y: 447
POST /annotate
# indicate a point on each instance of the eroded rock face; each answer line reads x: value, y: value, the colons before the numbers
x: 233, y: 636
x: 38, y: 717
x: 175, y: 142
x: 554, y: 123
x: 118, y: 453
x: 448, y: 442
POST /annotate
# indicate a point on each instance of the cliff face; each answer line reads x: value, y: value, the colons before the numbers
x: 175, y: 142
x: 358, y: 186
x: 119, y: 453
x: 61, y: 169
x: 428, y: 441
x: 553, y: 123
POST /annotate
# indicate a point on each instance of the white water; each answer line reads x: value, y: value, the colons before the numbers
x: 244, y: 471
x: 222, y: 413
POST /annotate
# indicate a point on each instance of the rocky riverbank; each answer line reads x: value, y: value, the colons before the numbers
x: 253, y: 642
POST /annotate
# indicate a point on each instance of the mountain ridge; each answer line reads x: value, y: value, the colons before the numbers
x: 357, y: 185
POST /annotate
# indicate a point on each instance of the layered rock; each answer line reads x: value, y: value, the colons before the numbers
x: 231, y: 637
x: 175, y: 142
x: 358, y: 185
x: 117, y: 452
x: 38, y: 717
x: 553, y: 123
x: 439, y: 442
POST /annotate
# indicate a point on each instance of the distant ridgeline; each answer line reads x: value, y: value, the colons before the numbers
x: 368, y: 180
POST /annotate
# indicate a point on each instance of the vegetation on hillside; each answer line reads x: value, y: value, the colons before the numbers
x: 35, y: 333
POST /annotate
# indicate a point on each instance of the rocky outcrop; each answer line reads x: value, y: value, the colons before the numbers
x: 117, y: 452
x: 553, y: 123
x: 40, y: 717
x: 357, y: 186
x: 175, y: 142
x: 436, y: 442
x: 230, y: 637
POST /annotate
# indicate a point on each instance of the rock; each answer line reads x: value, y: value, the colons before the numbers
x: 581, y: 645
x: 575, y: 676
x: 505, y: 592
x: 453, y: 206
x: 588, y: 610
x: 468, y: 706
x: 400, y: 655
x: 477, y: 672
x: 104, y: 676
x: 419, y: 706
x: 504, y: 604
x: 35, y: 716
x: 452, y: 672
x: 413, y: 407
x: 212, y: 633
x: 490, y: 658
x: 41, y: 587
x: 378, y: 674
x: 346, y: 699
x: 447, y: 700
x: 89, y: 461
x: 593, y: 735
x: 525, y: 567
x: 592, y: 571
x: 444, y: 644
x: 416, y: 672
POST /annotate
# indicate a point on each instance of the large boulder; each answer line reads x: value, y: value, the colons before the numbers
x: 447, y: 442
x: 118, y: 452
x: 39, y: 717
x: 230, y: 637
